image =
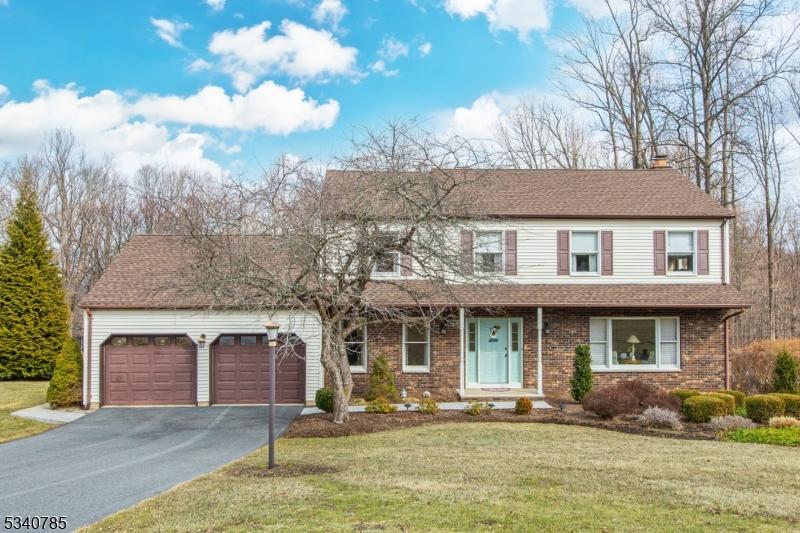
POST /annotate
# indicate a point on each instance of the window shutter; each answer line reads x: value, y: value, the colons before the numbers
x: 466, y: 252
x: 563, y: 252
x: 702, y: 252
x: 405, y: 259
x: 660, y: 253
x: 511, y: 253
x: 607, y: 252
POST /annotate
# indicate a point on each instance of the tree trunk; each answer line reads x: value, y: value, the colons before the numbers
x: 334, y: 360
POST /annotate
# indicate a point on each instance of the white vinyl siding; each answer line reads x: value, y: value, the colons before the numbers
x: 211, y: 323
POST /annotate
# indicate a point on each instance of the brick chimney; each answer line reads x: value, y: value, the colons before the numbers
x: 660, y: 161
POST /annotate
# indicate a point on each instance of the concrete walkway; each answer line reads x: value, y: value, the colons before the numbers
x: 447, y: 406
x: 44, y: 413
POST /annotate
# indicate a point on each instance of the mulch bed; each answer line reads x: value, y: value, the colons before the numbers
x: 361, y: 423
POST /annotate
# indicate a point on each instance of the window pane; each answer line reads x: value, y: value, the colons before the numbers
x: 247, y: 340
x: 141, y: 341
x: 669, y: 329
x: 416, y: 354
x: 597, y: 329
x: 514, y: 336
x: 386, y: 261
x: 470, y: 336
x: 227, y: 340
x: 161, y: 341
x: 355, y: 354
x: 584, y: 241
x: 584, y: 263
x: 489, y: 242
x: 681, y: 241
x: 486, y: 262
x: 680, y: 263
x: 416, y: 333
x: 182, y: 341
x: 634, y: 341
x: 669, y: 354
x: 355, y: 336
x: 598, y: 350
x: 119, y: 341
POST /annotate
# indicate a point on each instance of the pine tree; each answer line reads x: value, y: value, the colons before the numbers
x: 381, y: 381
x: 65, y: 386
x: 33, y: 309
x: 784, y: 378
x: 581, y: 383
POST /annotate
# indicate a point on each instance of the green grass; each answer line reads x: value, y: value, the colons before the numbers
x: 778, y: 436
x: 490, y: 476
x: 15, y: 395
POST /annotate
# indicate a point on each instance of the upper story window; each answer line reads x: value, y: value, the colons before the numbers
x: 680, y: 251
x: 356, y: 347
x: 387, y: 261
x: 585, y: 253
x: 489, y: 251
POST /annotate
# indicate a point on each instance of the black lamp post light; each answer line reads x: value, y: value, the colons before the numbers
x: 272, y: 338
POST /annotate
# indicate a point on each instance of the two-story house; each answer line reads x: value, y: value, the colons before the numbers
x: 634, y: 263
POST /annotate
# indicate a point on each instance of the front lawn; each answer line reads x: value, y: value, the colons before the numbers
x: 15, y: 395
x: 499, y: 476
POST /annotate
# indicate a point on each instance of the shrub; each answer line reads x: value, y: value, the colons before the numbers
x: 381, y: 381
x: 649, y: 395
x: 784, y: 422
x: 703, y: 407
x: 762, y: 407
x: 784, y: 377
x: 791, y: 403
x: 777, y: 436
x: 724, y: 423
x: 660, y: 418
x: 611, y: 402
x: 324, y: 399
x: 752, y: 366
x: 739, y: 396
x: 475, y: 408
x: 380, y: 405
x: 730, y: 401
x: 581, y: 383
x: 523, y: 406
x: 684, y: 393
x: 65, y: 386
x: 428, y: 406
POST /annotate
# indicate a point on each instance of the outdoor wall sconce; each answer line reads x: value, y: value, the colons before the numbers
x: 546, y: 327
x: 442, y: 327
x: 201, y: 341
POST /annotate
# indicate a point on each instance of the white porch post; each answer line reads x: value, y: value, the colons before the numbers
x: 539, y: 386
x: 461, y: 351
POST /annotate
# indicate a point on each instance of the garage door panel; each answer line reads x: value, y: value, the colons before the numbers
x: 152, y: 372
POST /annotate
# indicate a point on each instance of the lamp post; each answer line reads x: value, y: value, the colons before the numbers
x: 272, y: 337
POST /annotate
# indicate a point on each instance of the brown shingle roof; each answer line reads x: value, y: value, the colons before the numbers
x: 654, y: 193
x: 150, y: 272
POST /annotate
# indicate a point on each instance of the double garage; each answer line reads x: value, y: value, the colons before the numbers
x: 152, y: 369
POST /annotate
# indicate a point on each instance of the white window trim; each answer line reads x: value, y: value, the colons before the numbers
x: 502, y: 269
x: 415, y: 369
x: 573, y: 272
x: 694, y: 253
x: 396, y: 270
x: 362, y: 369
x: 658, y: 367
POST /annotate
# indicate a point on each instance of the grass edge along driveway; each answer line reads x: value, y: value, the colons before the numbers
x: 16, y: 395
x: 487, y: 476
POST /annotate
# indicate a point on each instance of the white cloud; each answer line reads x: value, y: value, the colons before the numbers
x: 301, y: 52
x: 3, y: 90
x: 216, y: 5
x: 155, y: 129
x: 379, y: 67
x: 391, y: 49
x: 597, y: 9
x: 478, y: 121
x: 520, y: 16
x: 198, y: 65
x: 425, y: 49
x: 330, y: 12
x: 169, y: 30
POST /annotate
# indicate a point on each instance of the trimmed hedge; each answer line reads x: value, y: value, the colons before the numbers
x: 737, y: 394
x: 791, y: 403
x: 730, y: 401
x: 684, y: 393
x: 380, y: 405
x: 762, y: 407
x: 324, y: 399
x: 704, y: 407
x: 523, y: 406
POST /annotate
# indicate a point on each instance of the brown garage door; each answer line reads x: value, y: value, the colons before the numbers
x: 149, y: 370
x: 241, y: 370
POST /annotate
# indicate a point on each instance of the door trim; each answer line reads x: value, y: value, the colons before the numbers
x: 508, y: 384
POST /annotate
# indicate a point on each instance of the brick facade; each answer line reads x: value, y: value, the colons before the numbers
x: 702, y: 342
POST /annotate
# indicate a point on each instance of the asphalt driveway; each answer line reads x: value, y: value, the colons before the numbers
x: 113, y: 458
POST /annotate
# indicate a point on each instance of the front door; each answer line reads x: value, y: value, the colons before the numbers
x: 493, y: 351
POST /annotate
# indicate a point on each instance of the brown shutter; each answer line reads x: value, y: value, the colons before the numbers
x: 466, y: 252
x: 660, y: 253
x: 563, y: 252
x: 607, y: 253
x: 405, y: 259
x: 511, y: 252
x: 702, y: 252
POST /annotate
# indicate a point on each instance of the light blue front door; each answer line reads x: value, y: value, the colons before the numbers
x: 493, y: 351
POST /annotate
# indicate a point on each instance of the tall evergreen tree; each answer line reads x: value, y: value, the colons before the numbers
x: 33, y: 309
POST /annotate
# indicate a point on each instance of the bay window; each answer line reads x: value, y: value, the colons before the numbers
x: 680, y: 251
x: 585, y: 252
x: 634, y: 344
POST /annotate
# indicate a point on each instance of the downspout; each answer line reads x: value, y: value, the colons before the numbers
x: 539, y: 380
x: 87, y: 367
x: 725, y: 320
x: 461, y: 351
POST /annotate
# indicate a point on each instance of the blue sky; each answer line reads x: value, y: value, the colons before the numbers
x: 228, y: 85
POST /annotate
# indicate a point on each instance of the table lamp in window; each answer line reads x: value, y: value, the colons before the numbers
x: 633, y: 340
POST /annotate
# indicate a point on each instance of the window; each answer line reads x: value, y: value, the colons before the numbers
x: 680, y: 251
x: 227, y: 340
x: 356, y: 348
x: 161, y: 341
x: 584, y: 252
x: 514, y: 336
x: 387, y: 261
x: 183, y: 341
x: 416, y: 348
x: 489, y: 251
x: 634, y: 343
x: 247, y: 340
x: 471, y: 334
x: 141, y: 341
x: 119, y: 341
